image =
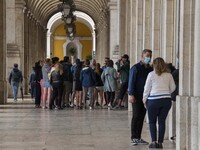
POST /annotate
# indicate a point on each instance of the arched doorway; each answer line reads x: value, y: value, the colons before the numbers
x: 55, y: 21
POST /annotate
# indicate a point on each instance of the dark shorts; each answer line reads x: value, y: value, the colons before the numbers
x: 123, y: 90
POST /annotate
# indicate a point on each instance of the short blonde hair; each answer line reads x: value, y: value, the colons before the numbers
x: 160, y: 66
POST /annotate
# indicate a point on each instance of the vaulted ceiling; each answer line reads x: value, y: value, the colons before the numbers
x: 44, y: 9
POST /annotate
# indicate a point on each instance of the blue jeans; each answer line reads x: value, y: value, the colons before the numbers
x: 15, y: 87
x: 91, y: 95
x: 158, y: 110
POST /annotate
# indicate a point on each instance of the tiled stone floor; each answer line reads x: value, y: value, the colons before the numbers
x: 23, y: 127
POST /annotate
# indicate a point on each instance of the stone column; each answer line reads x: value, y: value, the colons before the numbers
x: 147, y: 23
x: 186, y: 55
x: 19, y: 30
x: 156, y: 11
x: 167, y: 29
x: 127, y: 29
x: 3, y: 83
x: 114, y: 30
x: 195, y: 100
x: 122, y: 26
x: 26, y: 53
x: 12, y: 48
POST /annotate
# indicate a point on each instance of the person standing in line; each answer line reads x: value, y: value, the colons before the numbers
x: 46, y: 82
x: 103, y: 68
x: 109, y: 78
x: 123, y: 67
x: 73, y: 70
x: 37, y: 80
x: 99, y: 85
x: 56, y: 80
x: 78, y: 85
x: 32, y: 83
x: 137, y: 78
x: 93, y: 64
x: 67, y: 82
x: 157, y: 99
x: 88, y: 82
x: 15, y: 79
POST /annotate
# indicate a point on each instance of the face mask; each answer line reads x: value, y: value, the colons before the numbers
x: 147, y: 60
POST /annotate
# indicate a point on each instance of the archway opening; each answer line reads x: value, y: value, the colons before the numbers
x: 57, y: 38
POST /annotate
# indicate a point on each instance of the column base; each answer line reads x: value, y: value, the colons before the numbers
x: 3, y: 92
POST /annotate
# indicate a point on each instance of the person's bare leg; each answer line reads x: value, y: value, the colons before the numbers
x: 77, y: 99
x: 44, y: 97
x: 80, y: 98
x: 48, y: 95
x: 95, y: 95
x: 101, y: 97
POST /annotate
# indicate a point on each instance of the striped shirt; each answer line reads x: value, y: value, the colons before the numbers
x: 157, y: 87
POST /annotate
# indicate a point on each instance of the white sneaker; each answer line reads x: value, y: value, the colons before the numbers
x: 90, y: 108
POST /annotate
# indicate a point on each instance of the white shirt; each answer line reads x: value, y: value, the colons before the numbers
x: 157, y: 87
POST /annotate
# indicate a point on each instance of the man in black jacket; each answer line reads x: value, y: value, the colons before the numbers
x: 137, y: 78
x: 68, y: 81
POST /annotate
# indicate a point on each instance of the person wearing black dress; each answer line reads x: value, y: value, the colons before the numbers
x: 78, y: 86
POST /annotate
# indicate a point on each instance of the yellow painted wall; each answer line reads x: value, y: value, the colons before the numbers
x: 58, y: 48
x: 81, y: 31
x: 87, y: 48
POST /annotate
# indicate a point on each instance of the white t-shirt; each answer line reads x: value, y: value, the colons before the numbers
x: 158, y: 87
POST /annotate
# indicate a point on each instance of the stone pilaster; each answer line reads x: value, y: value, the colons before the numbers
x: 195, y: 100
x: 126, y: 49
x: 26, y: 53
x: 3, y: 83
x: 147, y: 25
x: 114, y: 30
x: 156, y: 19
x: 19, y: 30
x: 167, y: 29
x: 186, y: 76
x: 122, y: 26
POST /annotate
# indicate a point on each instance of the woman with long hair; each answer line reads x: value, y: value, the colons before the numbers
x: 99, y: 85
x: 157, y: 99
x: 56, y: 81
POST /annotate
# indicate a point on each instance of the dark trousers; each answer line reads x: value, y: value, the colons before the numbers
x: 110, y: 97
x: 37, y: 93
x: 33, y: 90
x: 56, y: 96
x: 123, y: 90
x: 139, y: 112
x: 158, y: 110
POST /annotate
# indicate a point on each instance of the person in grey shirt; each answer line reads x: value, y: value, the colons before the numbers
x: 109, y: 78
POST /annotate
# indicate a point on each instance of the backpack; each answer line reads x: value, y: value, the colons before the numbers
x: 67, y: 74
x: 16, y: 76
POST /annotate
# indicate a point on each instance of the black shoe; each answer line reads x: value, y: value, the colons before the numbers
x: 160, y: 146
x: 153, y: 145
x: 97, y: 104
x: 142, y: 142
x: 134, y: 142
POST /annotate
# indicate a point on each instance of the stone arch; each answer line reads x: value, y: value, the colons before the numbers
x: 56, y: 20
